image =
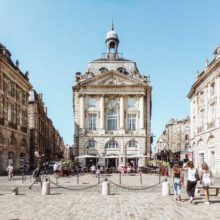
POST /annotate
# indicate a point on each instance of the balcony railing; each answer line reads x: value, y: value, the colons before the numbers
x: 211, y: 125
x: 12, y: 125
x: 200, y: 129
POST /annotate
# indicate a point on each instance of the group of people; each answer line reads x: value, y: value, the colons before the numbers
x: 96, y: 170
x: 193, y: 175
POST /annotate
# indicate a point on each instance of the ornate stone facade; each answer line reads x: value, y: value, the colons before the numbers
x: 44, y: 138
x: 205, y: 115
x: 14, y: 136
x: 112, y: 110
x: 174, y: 143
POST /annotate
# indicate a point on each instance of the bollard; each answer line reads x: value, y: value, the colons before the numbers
x: 46, y: 187
x: 77, y: 177
x: 120, y: 177
x: 105, y: 188
x: 98, y: 178
x: 15, y: 191
x: 165, y: 188
x: 141, y: 178
x: 56, y: 179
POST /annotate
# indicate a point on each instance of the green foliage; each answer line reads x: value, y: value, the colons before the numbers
x: 158, y: 163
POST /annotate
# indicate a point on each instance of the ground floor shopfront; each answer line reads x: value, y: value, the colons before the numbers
x: 112, y: 162
x: 13, y: 149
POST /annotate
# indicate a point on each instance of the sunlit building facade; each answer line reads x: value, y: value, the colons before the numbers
x: 205, y: 115
x: 14, y: 91
x: 112, y: 110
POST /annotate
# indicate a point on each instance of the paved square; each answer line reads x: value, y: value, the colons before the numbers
x: 90, y: 204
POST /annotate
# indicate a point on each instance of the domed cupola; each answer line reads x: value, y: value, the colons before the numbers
x: 112, y: 42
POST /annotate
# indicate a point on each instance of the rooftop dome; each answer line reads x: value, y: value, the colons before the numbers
x: 111, y: 34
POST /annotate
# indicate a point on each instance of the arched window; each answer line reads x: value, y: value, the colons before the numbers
x: 91, y: 144
x: 132, y: 143
x: 112, y: 120
x: 111, y: 144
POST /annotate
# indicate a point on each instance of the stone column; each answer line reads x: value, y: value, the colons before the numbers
x: 141, y: 108
x: 122, y: 117
x: 217, y: 92
x: 102, y: 114
x: 82, y: 116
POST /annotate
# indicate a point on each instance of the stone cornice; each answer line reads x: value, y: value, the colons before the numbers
x: 213, y: 66
x: 14, y: 74
x: 113, y: 72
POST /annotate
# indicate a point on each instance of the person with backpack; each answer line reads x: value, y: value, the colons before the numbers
x: 206, y: 181
x: 36, y: 176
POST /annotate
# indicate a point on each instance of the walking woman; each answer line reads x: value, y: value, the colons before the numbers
x: 206, y: 181
x: 191, y: 180
x: 177, y: 182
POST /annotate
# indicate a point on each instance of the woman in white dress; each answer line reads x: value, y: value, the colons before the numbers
x: 206, y: 181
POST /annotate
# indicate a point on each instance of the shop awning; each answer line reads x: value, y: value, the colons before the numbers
x: 87, y: 156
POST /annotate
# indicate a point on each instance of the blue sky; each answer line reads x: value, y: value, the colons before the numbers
x: 169, y: 40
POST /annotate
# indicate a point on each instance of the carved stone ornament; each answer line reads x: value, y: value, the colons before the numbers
x: 111, y: 81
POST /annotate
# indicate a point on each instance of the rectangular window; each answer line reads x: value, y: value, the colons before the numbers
x: 92, y: 103
x: 112, y: 121
x: 212, y: 160
x: 92, y: 121
x: 23, y: 98
x: 213, y: 115
x: 201, y: 159
x: 202, y: 118
x: 212, y: 89
x: 132, y: 122
x: 9, y: 113
x: 132, y: 103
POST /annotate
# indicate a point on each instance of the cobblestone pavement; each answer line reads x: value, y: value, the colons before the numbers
x: 89, y: 204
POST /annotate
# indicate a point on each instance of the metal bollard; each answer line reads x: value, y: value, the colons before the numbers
x: 46, y: 187
x: 120, y: 177
x: 77, y: 177
x: 165, y: 188
x: 105, y: 188
x: 141, y: 177
x: 98, y: 178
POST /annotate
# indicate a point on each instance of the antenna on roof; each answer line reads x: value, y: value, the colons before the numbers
x: 112, y: 17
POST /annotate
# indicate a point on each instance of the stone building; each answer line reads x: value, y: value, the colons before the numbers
x: 204, y: 98
x: 174, y: 143
x: 112, y: 110
x: 14, y: 89
x: 45, y: 140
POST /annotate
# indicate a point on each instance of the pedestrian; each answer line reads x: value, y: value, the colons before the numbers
x: 92, y: 168
x: 192, y: 178
x: 98, y: 170
x: 36, y: 176
x: 10, y: 171
x: 206, y: 181
x: 56, y: 169
x: 177, y: 174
